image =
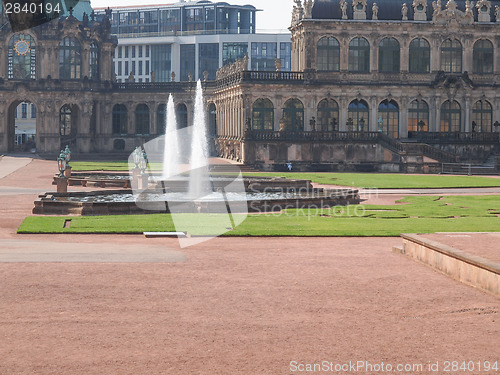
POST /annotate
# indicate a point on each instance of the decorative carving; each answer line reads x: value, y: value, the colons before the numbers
x: 451, y: 15
x: 374, y: 11
x: 278, y: 64
x: 297, y: 12
x: 359, y: 9
x: 404, y: 12
x: 308, y: 4
x: 343, y: 8
x: 497, y: 13
x: 436, y: 6
x: 484, y: 11
x: 420, y: 10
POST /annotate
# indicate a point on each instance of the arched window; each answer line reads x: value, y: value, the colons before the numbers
x: 263, y: 115
x: 142, y: 119
x: 420, y: 56
x: 483, y: 57
x: 359, y: 55
x: 328, y: 115
x: 212, y: 120
x: 94, y: 62
x: 293, y: 114
x: 181, y: 113
x: 451, y: 56
x: 451, y: 117
x: 328, y: 54
x: 65, y: 120
x: 161, y: 124
x: 70, y: 59
x: 358, y: 114
x: 418, y: 117
x: 388, y: 111
x: 119, y: 119
x: 22, y: 57
x: 482, y: 116
x: 388, y: 56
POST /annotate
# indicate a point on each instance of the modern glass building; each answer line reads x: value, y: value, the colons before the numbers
x: 190, y: 38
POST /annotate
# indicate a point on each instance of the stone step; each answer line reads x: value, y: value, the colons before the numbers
x: 398, y: 250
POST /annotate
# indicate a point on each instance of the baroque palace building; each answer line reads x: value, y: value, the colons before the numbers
x: 373, y: 86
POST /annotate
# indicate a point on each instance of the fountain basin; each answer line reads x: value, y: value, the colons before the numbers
x: 119, y: 202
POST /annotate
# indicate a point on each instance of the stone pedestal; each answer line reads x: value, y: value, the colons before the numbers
x: 67, y: 172
x: 62, y: 184
x: 143, y: 182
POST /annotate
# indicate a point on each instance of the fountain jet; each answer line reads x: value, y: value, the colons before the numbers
x: 171, y: 160
x: 199, y: 180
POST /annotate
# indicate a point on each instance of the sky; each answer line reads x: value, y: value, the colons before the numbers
x: 275, y: 16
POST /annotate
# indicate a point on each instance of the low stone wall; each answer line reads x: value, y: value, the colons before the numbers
x: 469, y: 269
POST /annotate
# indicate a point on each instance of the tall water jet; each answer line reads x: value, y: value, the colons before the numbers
x: 171, y: 160
x: 199, y: 180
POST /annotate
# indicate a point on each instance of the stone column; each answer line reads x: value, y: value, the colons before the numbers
x: 496, y: 56
x: 403, y: 118
x: 373, y: 56
x: 373, y: 114
x: 85, y: 62
x: 467, y: 116
x: 3, y: 61
x: 405, y: 58
x: 467, y: 56
x: 343, y: 113
x: 435, y: 114
x: 435, y: 55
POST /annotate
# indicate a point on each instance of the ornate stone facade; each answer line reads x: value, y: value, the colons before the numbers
x: 431, y: 80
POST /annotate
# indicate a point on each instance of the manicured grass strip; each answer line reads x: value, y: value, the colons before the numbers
x: 112, y: 166
x: 387, y: 181
x: 420, y: 215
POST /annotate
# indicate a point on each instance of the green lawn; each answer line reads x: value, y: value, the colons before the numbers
x: 365, y: 180
x: 387, y: 181
x: 418, y: 215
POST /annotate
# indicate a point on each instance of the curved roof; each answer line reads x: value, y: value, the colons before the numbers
x: 387, y: 9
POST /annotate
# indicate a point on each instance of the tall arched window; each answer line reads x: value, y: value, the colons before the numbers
x: 181, y: 113
x: 212, y: 120
x: 328, y: 115
x: 263, y: 115
x: 142, y: 119
x: 451, y: 117
x: 94, y: 62
x: 418, y: 117
x: 389, y: 112
x: 70, y: 59
x: 161, y: 119
x: 22, y: 57
x: 483, y: 57
x: 388, y: 56
x: 482, y: 116
x: 65, y: 120
x: 293, y: 114
x: 359, y: 114
x: 119, y: 119
x: 328, y: 54
x: 359, y: 55
x: 420, y: 56
x: 451, y: 56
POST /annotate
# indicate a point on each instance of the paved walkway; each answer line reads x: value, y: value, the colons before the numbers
x: 227, y: 306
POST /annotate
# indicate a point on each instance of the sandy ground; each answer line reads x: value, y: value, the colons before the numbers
x: 227, y: 306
